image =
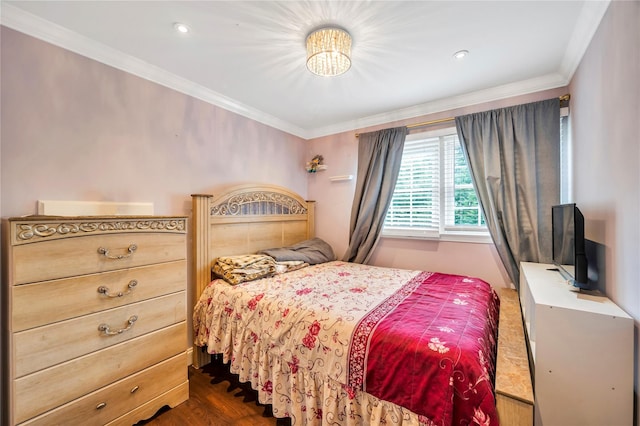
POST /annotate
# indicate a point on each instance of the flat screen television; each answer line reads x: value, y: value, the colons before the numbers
x: 569, y: 254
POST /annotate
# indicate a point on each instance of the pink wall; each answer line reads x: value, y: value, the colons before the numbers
x: 605, y: 120
x: 334, y: 200
x: 76, y: 129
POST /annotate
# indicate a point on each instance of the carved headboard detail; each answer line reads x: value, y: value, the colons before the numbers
x: 260, y: 203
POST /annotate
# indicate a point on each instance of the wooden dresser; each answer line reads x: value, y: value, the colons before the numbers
x: 96, y: 310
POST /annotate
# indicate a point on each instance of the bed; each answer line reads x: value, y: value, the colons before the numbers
x: 334, y: 342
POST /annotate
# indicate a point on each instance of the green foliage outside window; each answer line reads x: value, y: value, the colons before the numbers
x: 466, y: 205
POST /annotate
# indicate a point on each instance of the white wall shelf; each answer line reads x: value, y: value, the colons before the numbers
x: 340, y: 178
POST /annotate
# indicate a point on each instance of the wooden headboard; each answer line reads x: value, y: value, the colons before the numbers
x: 242, y: 220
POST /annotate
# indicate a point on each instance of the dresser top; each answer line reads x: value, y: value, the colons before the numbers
x: 40, y: 218
x: 31, y: 229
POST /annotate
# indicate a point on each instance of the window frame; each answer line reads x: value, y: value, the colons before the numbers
x: 445, y: 232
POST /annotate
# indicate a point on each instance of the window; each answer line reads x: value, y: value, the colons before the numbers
x: 434, y: 196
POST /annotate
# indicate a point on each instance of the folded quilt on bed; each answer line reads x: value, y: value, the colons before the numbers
x: 311, y: 251
x: 289, y: 265
x: 238, y: 269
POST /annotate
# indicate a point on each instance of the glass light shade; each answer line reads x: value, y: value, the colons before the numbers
x: 329, y: 52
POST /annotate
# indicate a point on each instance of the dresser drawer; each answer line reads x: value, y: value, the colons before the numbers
x: 172, y: 398
x: 119, y: 398
x: 42, y: 347
x: 46, y: 389
x: 68, y: 257
x: 51, y: 301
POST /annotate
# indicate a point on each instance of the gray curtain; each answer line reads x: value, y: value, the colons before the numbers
x: 379, y: 158
x: 514, y: 157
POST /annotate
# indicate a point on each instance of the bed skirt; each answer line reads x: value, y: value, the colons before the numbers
x: 308, y: 399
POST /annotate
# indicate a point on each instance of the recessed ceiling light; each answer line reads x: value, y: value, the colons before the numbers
x: 181, y: 28
x: 460, y: 54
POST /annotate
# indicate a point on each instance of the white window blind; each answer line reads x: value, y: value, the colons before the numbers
x: 416, y: 199
x: 434, y: 194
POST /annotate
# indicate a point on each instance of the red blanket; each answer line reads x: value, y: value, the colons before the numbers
x: 431, y: 348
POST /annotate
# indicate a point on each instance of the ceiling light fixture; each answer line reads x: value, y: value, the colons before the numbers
x: 460, y: 54
x: 329, y: 51
x: 181, y: 28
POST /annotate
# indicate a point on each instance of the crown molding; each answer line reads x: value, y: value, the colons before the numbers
x: 19, y: 20
x: 587, y: 24
x: 550, y: 81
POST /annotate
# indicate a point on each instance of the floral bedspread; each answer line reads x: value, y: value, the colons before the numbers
x: 315, y: 343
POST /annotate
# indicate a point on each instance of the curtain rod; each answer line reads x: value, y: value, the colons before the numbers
x: 562, y: 98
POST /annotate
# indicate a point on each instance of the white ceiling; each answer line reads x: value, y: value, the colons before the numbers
x: 249, y: 56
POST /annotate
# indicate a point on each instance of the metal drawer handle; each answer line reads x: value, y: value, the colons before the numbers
x: 105, y: 290
x: 106, y: 330
x: 105, y: 252
x: 135, y: 389
x: 101, y: 406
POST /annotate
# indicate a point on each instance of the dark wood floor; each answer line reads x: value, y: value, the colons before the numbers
x: 217, y: 398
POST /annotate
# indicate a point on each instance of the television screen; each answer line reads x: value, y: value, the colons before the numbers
x: 568, y: 243
x: 564, y: 237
